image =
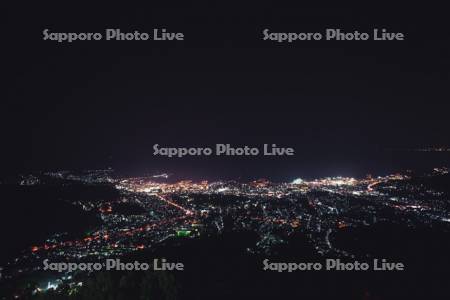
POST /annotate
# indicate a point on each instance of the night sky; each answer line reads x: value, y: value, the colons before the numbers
x: 343, y: 106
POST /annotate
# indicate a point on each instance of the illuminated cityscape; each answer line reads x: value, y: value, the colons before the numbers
x: 148, y: 211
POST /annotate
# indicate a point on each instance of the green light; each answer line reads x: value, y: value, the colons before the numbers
x: 183, y: 233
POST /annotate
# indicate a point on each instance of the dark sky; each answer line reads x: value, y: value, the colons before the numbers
x: 341, y: 105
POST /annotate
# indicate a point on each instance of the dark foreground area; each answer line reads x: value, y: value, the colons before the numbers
x: 221, y: 268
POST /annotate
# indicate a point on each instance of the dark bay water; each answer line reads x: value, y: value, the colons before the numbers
x: 30, y: 214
